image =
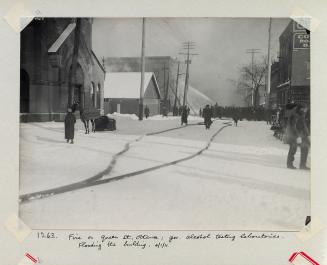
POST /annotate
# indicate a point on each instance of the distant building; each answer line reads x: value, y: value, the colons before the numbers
x: 45, y: 76
x: 163, y: 67
x: 122, y: 93
x: 294, y: 65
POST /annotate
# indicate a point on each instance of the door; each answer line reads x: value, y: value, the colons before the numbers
x: 118, y: 108
x: 79, y: 95
x: 24, y: 91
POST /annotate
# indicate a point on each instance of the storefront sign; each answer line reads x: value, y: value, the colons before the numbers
x: 301, y: 41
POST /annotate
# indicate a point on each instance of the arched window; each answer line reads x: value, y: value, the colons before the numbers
x: 92, y: 91
x: 98, y: 95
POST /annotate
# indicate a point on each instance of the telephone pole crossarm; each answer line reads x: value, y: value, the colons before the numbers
x: 252, y: 52
x: 189, y: 45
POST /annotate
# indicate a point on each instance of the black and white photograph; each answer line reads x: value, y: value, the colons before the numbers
x: 163, y: 123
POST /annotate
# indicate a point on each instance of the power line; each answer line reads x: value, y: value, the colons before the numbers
x: 164, y: 83
x: 269, y: 64
x: 176, y: 92
x: 142, y: 71
x: 189, y: 45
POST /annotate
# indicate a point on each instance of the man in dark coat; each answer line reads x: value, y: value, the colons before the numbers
x: 297, y: 129
x: 69, y: 126
x: 164, y: 111
x: 146, y: 112
x: 236, y: 117
x: 180, y: 110
x: 304, y: 133
x: 184, y: 115
x: 207, y: 115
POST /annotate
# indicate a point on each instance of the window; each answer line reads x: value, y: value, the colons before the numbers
x: 92, y: 91
x: 98, y: 96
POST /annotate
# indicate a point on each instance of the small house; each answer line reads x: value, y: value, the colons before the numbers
x: 122, y: 93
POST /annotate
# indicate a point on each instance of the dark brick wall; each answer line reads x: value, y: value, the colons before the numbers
x: 48, y: 82
x: 294, y: 65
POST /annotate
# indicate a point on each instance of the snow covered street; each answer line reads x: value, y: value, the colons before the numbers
x: 239, y: 182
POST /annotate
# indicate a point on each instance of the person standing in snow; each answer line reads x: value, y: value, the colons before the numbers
x: 236, y: 117
x: 184, y: 115
x: 70, y: 121
x: 164, y: 111
x: 207, y: 115
x: 146, y: 112
x: 296, y: 131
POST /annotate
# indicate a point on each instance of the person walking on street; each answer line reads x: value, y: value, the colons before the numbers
x: 70, y: 121
x: 303, y: 129
x: 207, y: 115
x: 296, y: 131
x: 146, y: 112
x: 184, y: 115
x: 164, y: 111
x: 236, y: 117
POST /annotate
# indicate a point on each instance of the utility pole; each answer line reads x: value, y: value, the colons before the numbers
x: 176, y: 91
x: 269, y: 65
x: 165, y: 91
x: 74, y: 63
x: 142, y: 71
x: 165, y: 84
x: 187, y: 46
x: 252, y: 51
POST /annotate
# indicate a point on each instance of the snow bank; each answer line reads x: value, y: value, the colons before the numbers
x: 155, y: 117
x: 162, y: 118
x: 131, y: 116
x: 194, y: 118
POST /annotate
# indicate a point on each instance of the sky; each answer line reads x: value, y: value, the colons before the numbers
x: 221, y: 44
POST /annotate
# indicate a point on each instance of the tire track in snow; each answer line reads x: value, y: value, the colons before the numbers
x: 95, y: 180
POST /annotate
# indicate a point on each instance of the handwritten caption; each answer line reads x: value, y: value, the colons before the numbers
x: 149, y: 240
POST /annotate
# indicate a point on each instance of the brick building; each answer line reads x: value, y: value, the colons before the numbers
x: 46, y: 60
x: 294, y: 65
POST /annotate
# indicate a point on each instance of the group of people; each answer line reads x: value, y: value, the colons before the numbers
x: 207, y: 115
x: 292, y: 125
x: 248, y: 113
x: 208, y: 112
x: 294, y: 122
x: 178, y: 111
x: 185, y: 111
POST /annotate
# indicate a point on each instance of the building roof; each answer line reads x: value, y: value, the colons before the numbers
x: 97, y: 60
x: 63, y: 36
x: 127, y: 84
